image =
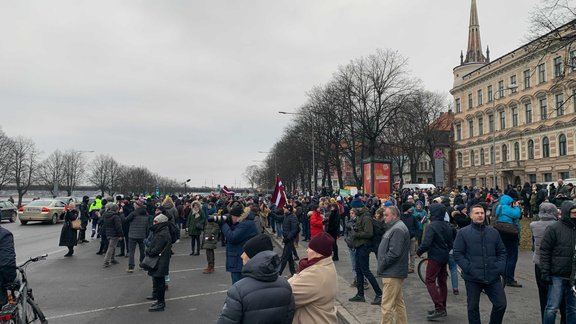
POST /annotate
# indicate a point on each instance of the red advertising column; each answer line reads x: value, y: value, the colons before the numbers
x: 377, y: 177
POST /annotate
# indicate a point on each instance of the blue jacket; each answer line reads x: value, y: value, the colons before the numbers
x: 507, y: 213
x: 236, y: 235
x: 480, y: 253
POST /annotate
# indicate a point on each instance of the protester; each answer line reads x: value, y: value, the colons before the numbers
x: 557, y: 265
x: 137, y: 232
x: 290, y: 230
x: 94, y: 211
x: 84, y: 219
x: 509, y: 212
x: 393, y: 254
x: 314, y: 287
x: 210, y: 243
x: 114, y: 233
x: 316, y: 221
x: 333, y: 228
x: 69, y: 235
x: 437, y: 242
x: 160, y: 246
x: 237, y: 231
x: 412, y: 225
x: 548, y: 215
x: 7, y: 262
x: 194, y: 226
x: 480, y: 253
x: 262, y: 296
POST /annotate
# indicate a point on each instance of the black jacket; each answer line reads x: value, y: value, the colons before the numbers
x: 411, y: 222
x: 480, y: 253
x: 290, y: 227
x: 112, y: 224
x: 261, y: 296
x: 333, y: 226
x: 160, y: 246
x: 68, y: 235
x: 138, y: 220
x: 7, y: 252
x: 557, y: 246
x: 439, y: 236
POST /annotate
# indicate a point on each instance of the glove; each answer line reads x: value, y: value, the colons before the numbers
x: 546, y: 279
x: 285, y: 240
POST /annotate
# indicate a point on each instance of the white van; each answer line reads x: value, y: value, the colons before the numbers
x: 419, y: 186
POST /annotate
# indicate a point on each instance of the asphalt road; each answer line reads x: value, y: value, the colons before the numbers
x: 79, y: 290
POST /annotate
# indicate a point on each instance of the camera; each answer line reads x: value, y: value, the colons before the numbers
x: 220, y: 219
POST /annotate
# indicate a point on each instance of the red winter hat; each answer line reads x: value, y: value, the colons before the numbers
x: 322, y: 243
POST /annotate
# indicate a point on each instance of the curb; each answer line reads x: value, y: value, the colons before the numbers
x: 344, y: 317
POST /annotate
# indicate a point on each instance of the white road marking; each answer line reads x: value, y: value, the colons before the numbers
x: 143, y: 273
x: 133, y: 305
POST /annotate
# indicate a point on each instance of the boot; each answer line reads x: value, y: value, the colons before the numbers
x: 157, y: 307
x: 207, y: 269
x: 210, y: 269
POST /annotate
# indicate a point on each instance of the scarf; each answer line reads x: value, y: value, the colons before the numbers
x: 305, y: 263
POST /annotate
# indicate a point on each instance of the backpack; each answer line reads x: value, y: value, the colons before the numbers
x: 173, y: 232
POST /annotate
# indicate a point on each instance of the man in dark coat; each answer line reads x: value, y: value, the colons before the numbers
x: 290, y: 231
x: 481, y: 254
x: 114, y: 232
x: 137, y: 232
x: 84, y: 219
x: 160, y: 246
x: 262, y: 296
x: 438, y: 243
x: 7, y: 262
x: 557, y: 263
x: 238, y: 231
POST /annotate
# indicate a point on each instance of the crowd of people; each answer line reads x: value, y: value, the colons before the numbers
x: 477, y: 230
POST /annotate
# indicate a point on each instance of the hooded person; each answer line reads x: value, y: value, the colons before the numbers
x: 160, y: 246
x: 509, y: 212
x: 314, y: 287
x: 262, y: 296
x: 548, y: 215
x: 195, y: 225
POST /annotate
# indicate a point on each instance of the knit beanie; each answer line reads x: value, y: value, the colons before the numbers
x: 236, y: 209
x: 258, y: 244
x: 161, y: 218
x: 322, y: 243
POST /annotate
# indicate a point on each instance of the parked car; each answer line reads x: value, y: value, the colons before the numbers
x: 8, y: 211
x: 44, y: 210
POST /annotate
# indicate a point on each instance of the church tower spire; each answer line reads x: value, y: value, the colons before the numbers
x: 474, y: 53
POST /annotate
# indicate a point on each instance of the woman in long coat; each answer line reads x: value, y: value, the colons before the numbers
x: 195, y: 225
x: 68, y: 235
x: 160, y: 246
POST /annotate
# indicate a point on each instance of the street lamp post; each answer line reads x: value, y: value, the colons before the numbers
x: 313, y: 148
x: 185, y: 182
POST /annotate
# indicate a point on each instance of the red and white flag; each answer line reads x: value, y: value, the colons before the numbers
x: 227, y: 191
x: 279, y: 197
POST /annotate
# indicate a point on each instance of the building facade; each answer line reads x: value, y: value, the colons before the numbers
x: 515, y: 116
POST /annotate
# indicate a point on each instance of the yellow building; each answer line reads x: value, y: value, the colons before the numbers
x: 522, y: 103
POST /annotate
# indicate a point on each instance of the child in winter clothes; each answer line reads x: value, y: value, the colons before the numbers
x: 211, y: 233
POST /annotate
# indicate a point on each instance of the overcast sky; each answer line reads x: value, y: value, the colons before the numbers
x: 191, y: 89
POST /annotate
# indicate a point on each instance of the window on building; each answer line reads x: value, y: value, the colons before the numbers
x: 458, y: 107
x: 470, y: 128
x: 479, y: 97
x: 530, y: 150
x: 572, y: 62
x: 514, y: 110
x: 458, y: 132
x: 532, y: 178
x: 528, y: 112
x: 564, y: 175
x: 504, y: 153
x: 500, y: 89
x: 545, y: 147
x: 547, y: 177
x: 480, y: 126
x: 469, y: 101
x: 543, y: 109
x: 472, y: 158
x: 460, y: 160
x: 502, y: 120
x: 490, y: 94
x: 482, y: 161
x: 541, y: 73
x: 562, y: 148
x: 491, y: 122
x: 517, y: 151
x: 526, y: 79
x: 483, y: 181
x: 559, y: 104
x: 513, y: 85
x: 492, y: 157
x: 558, y: 70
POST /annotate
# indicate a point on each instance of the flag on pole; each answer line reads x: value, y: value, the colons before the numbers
x: 227, y: 191
x: 279, y: 197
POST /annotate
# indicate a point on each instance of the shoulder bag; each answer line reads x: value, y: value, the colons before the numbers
x: 76, y: 224
x: 505, y: 228
x: 150, y: 263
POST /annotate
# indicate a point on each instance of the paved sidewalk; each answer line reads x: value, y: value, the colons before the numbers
x: 523, y: 305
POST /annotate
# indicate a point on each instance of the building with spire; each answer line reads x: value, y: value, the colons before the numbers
x: 514, y: 117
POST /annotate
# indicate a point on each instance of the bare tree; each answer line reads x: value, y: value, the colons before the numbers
x: 6, y: 159
x: 51, y: 172
x: 73, y: 170
x: 24, y: 165
x: 105, y: 173
x: 251, y: 174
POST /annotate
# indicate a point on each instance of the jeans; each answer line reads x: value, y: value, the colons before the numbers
x: 279, y: 229
x: 236, y: 276
x: 287, y: 257
x: 511, y: 244
x: 453, y: 271
x: 112, y: 242
x: 412, y: 253
x: 559, y: 290
x: 363, y: 270
x: 352, y: 253
x: 195, y: 244
x: 543, y: 295
x: 436, y: 276
x: 392, y: 306
x: 272, y: 223
x: 494, y: 291
x: 159, y: 288
x: 132, y: 249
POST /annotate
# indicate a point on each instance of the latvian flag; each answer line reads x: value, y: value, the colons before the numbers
x: 279, y: 197
x: 227, y: 191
